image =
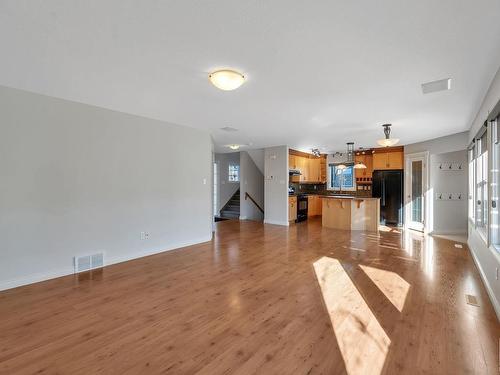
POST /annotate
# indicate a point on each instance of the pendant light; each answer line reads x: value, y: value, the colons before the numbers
x: 350, y: 156
x: 359, y: 165
x: 387, y: 141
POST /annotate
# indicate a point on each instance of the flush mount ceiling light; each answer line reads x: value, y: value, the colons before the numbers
x: 387, y: 141
x: 234, y: 147
x: 226, y: 79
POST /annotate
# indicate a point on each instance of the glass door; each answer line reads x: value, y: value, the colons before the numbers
x: 416, y: 194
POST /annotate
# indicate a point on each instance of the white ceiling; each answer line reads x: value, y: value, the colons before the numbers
x: 320, y: 73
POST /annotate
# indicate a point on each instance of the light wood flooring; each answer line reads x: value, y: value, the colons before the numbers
x: 261, y: 299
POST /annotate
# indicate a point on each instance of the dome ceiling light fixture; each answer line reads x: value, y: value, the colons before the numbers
x: 226, y: 79
x: 234, y: 147
x: 387, y: 141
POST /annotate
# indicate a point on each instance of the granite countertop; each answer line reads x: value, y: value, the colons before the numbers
x: 332, y: 196
x: 346, y: 197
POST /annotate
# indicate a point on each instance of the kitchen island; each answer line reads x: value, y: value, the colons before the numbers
x: 350, y: 213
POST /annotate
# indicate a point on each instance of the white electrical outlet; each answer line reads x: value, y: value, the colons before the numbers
x: 145, y: 235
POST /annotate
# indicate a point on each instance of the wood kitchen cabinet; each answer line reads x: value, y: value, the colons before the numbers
x: 292, y: 208
x: 310, y: 167
x: 387, y: 160
x: 303, y: 166
x: 314, y: 170
x: 364, y: 172
x: 313, y: 205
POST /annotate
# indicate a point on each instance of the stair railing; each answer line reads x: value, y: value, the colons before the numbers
x: 254, y: 202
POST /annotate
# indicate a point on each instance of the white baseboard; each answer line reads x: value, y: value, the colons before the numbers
x: 243, y: 218
x: 275, y: 222
x: 491, y: 294
x: 35, y: 278
x: 451, y: 232
x: 52, y: 274
x: 145, y: 253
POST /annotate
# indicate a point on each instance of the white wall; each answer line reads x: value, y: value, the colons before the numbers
x: 449, y: 216
x: 441, y: 216
x: 258, y: 158
x: 77, y: 179
x: 226, y: 188
x: 251, y: 181
x: 486, y: 258
x: 449, y: 143
x: 276, y: 185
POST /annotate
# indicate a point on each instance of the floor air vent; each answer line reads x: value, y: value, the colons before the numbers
x: 471, y: 300
x: 88, y: 262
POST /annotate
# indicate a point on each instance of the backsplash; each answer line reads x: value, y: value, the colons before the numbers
x: 308, y: 188
x: 321, y: 189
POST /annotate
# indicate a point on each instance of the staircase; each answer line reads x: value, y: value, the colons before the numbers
x: 232, y: 208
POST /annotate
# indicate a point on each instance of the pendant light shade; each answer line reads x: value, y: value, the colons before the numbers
x: 359, y: 165
x: 387, y: 141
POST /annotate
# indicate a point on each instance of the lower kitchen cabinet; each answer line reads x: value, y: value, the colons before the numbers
x: 313, y: 205
x: 292, y: 208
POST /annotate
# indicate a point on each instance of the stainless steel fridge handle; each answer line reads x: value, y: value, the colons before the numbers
x: 383, y: 192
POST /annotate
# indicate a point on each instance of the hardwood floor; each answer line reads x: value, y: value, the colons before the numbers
x: 261, y: 299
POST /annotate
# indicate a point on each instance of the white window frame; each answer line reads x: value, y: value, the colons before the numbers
x: 237, y: 169
x: 482, y: 189
x: 494, y: 185
x: 471, y: 185
x: 344, y: 188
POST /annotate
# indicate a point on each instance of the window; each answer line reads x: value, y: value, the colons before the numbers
x: 495, y: 187
x: 481, y: 167
x: 472, y: 190
x: 341, y: 178
x: 234, y: 173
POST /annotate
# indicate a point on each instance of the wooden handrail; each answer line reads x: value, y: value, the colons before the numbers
x: 254, y: 202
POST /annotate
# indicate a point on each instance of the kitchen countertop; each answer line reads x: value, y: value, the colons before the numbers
x: 346, y: 197
x: 330, y: 196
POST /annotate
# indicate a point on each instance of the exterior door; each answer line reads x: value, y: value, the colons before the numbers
x: 416, y: 190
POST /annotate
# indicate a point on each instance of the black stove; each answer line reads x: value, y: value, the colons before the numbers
x: 301, y: 207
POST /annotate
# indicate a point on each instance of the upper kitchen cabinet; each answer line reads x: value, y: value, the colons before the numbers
x: 388, y: 158
x: 310, y: 167
x: 367, y: 160
x: 314, y: 170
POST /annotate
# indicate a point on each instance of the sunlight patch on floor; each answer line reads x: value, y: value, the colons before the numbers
x: 362, y: 340
x: 394, y: 287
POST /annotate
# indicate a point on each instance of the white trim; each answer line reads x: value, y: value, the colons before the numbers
x: 427, y: 194
x: 243, y: 218
x: 489, y: 290
x: 66, y: 271
x: 276, y: 222
x: 464, y: 232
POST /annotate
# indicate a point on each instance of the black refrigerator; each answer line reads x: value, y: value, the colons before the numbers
x: 388, y: 186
